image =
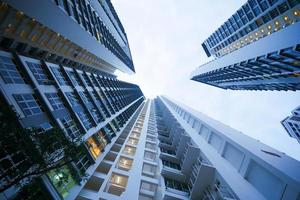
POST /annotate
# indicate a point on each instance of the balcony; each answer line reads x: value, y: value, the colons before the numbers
x: 175, y: 189
x: 124, y: 163
x: 219, y: 193
x: 149, y: 170
x: 117, y: 184
x: 202, y: 176
x: 172, y: 171
x: 132, y: 141
x: 135, y: 135
x: 188, y: 158
x: 130, y: 151
x: 151, y: 146
x: 148, y: 189
x: 103, y: 168
x: 94, y: 184
x: 110, y: 157
x: 150, y: 156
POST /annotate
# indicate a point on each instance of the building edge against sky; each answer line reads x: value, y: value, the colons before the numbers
x: 55, y: 75
x: 171, y: 151
x: 257, y: 48
x: 292, y: 124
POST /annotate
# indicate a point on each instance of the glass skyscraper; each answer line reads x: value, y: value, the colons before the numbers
x: 257, y: 48
x: 57, y: 63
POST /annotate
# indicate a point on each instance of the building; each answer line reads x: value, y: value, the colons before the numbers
x: 257, y: 48
x: 57, y: 64
x: 292, y: 124
x: 170, y: 151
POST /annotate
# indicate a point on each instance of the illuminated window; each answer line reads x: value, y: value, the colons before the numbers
x: 117, y: 184
x: 129, y: 150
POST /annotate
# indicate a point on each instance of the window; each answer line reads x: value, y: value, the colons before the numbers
x: 150, y: 156
x: 124, y: 163
x: 73, y: 99
x: 70, y: 127
x: 171, y: 164
x: 90, y: 105
x: 150, y: 146
x: 74, y: 78
x: 148, y: 186
x: 85, y: 120
x: 283, y: 7
x: 274, y: 13
x: 59, y: 76
x: 149, y: 170
x: 129, y: 150
x: 176, y: 185
x: 38, y: 73
x: 9, y: 71
x: 263, y: 5
x: 117, y: 184
x: 83, y: 163
x: 55, y: 101
x: 86, y: 79
x: 28, y: 104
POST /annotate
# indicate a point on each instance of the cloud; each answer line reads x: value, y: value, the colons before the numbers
x: 165, y: 39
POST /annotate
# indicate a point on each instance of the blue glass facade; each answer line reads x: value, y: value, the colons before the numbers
x: 256, y: 49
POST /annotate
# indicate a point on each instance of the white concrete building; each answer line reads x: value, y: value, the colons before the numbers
x: 174, y: 152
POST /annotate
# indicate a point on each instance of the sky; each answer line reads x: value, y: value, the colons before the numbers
x: 165, y: 39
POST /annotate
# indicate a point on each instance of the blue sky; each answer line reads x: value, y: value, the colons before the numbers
x: 165, y: 38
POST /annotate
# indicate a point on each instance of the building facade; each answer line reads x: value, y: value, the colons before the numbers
x: 57, y: 64
x: 257, y: 48
x: 170, y: 151
x: 292, y: 124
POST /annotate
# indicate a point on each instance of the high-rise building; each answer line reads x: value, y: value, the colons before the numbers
x: 170, y: 151
x: 57, y: 64
x: 257, y: 48
x: 292, y: 124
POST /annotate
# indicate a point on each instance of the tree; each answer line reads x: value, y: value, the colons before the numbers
x: 29, y: 153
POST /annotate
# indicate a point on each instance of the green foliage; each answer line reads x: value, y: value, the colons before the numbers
x: 33, y: 152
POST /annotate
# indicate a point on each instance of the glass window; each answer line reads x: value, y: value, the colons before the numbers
x: 62, y: 179
x: 252, y: 3
x: 70, y: 127
x: 73, y: 98
x: 9, y: 71
x: 256, y: 10
x: 263, y: 5
x: 83, y: 163
x: 59, y: 76
x: 28, y: 104
x: 274, y: 13
x: 272, y: 2
x: 86, y: 79
x: 291, y: 53
x: 266, y: 18
x: 90, y: 105
x: 74, y: 78
x: 176, y: 185
x: 85, y: 120
x: 292, y: 2
x: 55, y: 101
x: 38, y: 73
x: 283, y: 7
x: 171, y: 164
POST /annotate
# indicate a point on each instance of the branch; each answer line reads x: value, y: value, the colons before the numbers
x: 35, y: 173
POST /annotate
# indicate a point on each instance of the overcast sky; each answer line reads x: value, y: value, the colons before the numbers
x: 165, y: 38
